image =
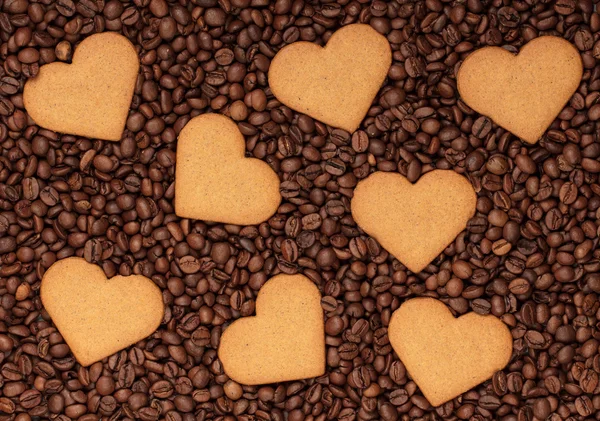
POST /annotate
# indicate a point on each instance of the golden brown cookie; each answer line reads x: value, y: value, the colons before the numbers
x: 284, y: 341
x: 335, y: 84
x: 416, y: 222
x: 213, y: 179
x: 98, y: 316
x: 522, y: 93
x: 91, y: 96
x: 447, y: 356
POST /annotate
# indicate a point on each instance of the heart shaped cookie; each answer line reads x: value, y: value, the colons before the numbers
x: 284, y: 341
x: 89, y: 97
x: 98, y: 316
x: 335, y: 84
x: 213, y: 179
x: 522, y: 93
x: 416, y: 222
x: 446, y: 356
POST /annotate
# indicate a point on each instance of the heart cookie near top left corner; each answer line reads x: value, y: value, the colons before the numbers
x: 91, y: 96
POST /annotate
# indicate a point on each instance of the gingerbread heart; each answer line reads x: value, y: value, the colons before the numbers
x: 335, y: 84
x: 522, y: 93
x: 416, y: 222
x: 447, y: 356
x: 213, y: 179
x: 89, y: 97
x: 284, y: 341
x: 98, y: 316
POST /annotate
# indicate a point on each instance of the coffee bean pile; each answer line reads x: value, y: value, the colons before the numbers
x: 529, y: 256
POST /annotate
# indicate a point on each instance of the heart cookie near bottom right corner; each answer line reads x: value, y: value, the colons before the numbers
x: 444, y: 355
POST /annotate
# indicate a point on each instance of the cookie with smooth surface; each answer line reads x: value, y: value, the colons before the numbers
x: 522, y: 93
x: 414, y: 222
x: 213, y: 179
x: 90, y: 97
x: 98, y: 316
x: 284, y: 341
x: 444, y: 355
x: 335, y: 84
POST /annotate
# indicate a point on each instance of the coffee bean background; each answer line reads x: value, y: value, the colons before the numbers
x: 528, y: 256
